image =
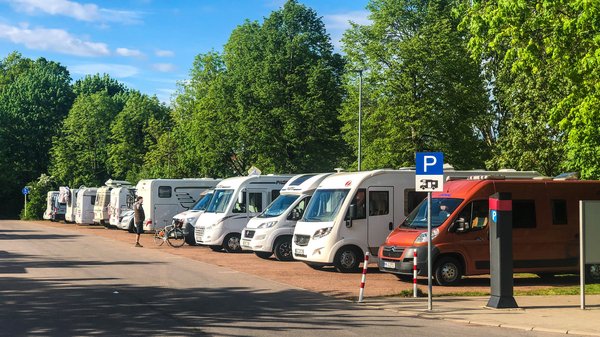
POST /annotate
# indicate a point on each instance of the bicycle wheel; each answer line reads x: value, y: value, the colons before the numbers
x: 159, y: 237
x: 176, y: 237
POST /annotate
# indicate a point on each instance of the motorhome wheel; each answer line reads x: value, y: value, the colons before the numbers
x: 190, y: 239
x: 447, y: 271
x: 231, y: 243
x: 347, y: 260
x: 131, y: 227
x: 592, y: 273
x: 283, y: 249
x: 263, y: 255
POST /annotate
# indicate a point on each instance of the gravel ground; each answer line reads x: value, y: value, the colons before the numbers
x: 326, y: 281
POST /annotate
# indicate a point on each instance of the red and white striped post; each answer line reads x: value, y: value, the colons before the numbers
x: 415, y: 273
x: 364, y: 278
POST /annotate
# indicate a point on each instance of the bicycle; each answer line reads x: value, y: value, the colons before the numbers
x: 172, y: 234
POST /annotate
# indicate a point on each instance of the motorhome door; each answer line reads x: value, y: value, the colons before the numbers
x: 380, y: 216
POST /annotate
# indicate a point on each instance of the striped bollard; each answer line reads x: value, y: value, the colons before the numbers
x: 364, y: 278
x: 415, y: 273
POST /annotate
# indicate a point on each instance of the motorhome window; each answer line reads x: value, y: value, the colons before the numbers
x: 360, y: 200
x: 379, y: 203
x: 278, y: 206
x: 476, y: 214
x: 219, y: 201
x: 240, y: 207
x: 203, y: 202
x: 324, y: 205
x: 255, y: 202
x: 412, y: 199
x: 164, y: 191
x: 524, y: 214
x: 559, y: 212
x: 418, y: 217
x: 298, y: 211
x: 298, y: 181
x: 275, y: 194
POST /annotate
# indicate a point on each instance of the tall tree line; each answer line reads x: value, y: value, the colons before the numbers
x: 492, y: 84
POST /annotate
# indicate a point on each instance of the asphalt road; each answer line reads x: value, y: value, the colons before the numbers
x: 55, y: 282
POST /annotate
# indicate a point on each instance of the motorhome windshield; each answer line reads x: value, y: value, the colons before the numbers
x: 325, y: 205
x: 202, y: 204
x: 219, y: 201
x: 441, y: 208
x: 278, y: 206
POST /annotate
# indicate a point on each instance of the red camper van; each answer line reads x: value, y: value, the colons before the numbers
x: 545, y: 229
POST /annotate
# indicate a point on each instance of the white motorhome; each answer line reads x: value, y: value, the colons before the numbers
x: 163, y: 198
x: 351, y: 213
x: 102, y: 206
x: 187, y: 219
x: 50, y: 200
x: 271, y: 231
x: 234, y: 202
x: 86, y: 199
x: 121, y: 200
x: 71, y: 206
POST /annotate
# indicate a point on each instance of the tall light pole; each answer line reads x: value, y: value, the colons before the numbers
x: 360, y: 72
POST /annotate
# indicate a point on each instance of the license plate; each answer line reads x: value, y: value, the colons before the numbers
x: 299, y: 251
x: 388, y: 264
x: 246, y: 243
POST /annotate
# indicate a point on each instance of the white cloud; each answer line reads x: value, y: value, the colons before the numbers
x: 164, y: 53
x: 163, y: 67
x: 341, y: 21
x: 56, y: 40
x: 114, y: 70
x: 82, y: 12
x: 337, y: 24
x: 129, y: 52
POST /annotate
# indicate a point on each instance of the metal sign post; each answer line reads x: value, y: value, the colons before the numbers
x: 429, y: 177
x: 25, y: 192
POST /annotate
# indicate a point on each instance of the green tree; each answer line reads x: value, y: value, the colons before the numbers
x: 531, y: 59
x: 79, y: 154
x: 422, y: 92
x: 35, y: 96
x: 130, y: 138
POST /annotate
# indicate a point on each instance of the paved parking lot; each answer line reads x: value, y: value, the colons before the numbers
x: 326, y: 281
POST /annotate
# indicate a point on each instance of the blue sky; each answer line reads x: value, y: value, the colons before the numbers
x: 148, y: 45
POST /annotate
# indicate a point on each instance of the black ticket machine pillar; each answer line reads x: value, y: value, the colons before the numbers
x: 501, y: 252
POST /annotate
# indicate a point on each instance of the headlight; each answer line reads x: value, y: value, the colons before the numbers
x: 423, y: 236
x: 267, y: 224
x: 322, y: 232
x: 190, y: 220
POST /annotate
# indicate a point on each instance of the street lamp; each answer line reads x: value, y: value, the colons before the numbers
x: 360, y: 73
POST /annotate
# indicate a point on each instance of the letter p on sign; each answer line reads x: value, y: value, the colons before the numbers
x: 429, y: 161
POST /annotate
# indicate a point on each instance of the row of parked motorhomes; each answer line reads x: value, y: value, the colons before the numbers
x: 333, y: 219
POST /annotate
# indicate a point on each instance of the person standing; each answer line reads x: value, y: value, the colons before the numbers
x: 138, y: 219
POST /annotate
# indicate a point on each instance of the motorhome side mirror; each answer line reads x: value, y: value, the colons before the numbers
x: 460, y: 226
x: 240, y: 197
x: 352, y: 211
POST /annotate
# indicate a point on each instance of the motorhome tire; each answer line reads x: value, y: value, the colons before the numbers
x: 131, y: 227
x: 216, y: 248
x: 263, y: 255
x: 592, y: 273
x: 231, y: 243
x: 347, y: 260
x: 283, y: 249
x: 447, y: 271
x: 190, y: 238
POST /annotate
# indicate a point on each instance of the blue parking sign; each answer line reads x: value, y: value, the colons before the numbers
x: 430, y: 163
x: 25, y: 190
x: 429, y: 175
